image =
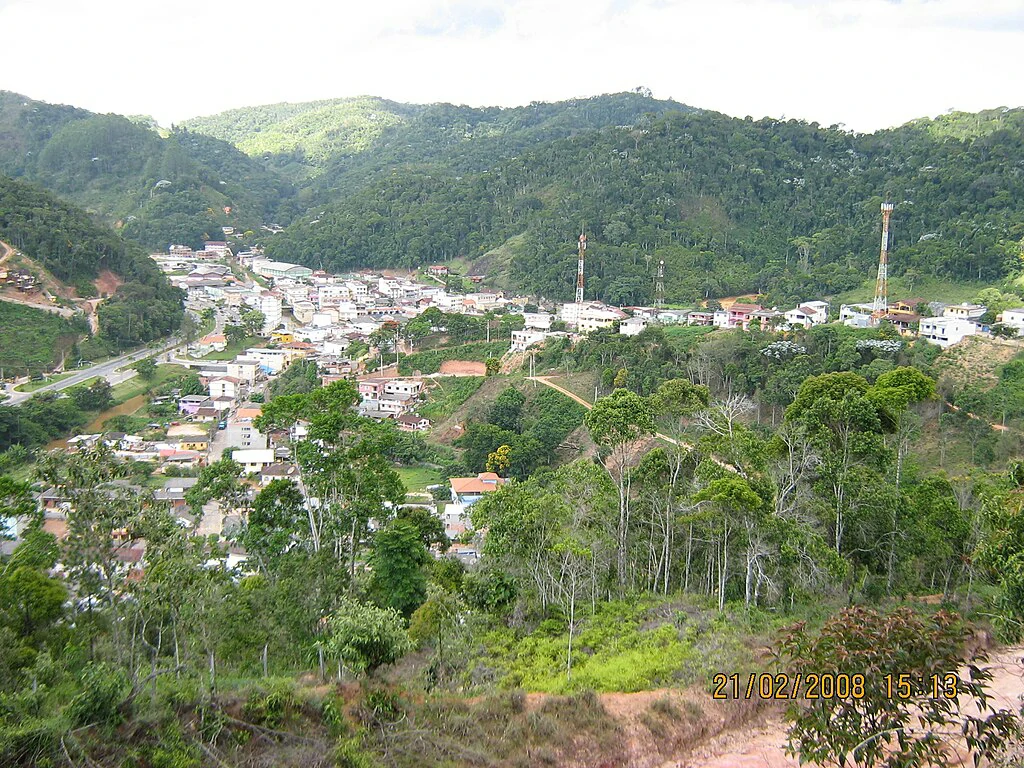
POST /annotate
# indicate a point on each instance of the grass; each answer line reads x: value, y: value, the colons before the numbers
x: 32, y: 386
x: 416, y: 479
x: 235, y: 348
x: 929, y: 288
x: 32, y: 339
x: 685, y: 336
x: 136, y: 386
x: 448, y: 394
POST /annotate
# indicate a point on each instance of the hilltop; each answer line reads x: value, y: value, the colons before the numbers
x: 156, y: 187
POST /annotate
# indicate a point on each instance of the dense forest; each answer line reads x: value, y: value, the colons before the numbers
x: 163, y: 188
x: 778, y: 207
x: 67, y: 242
x: 786, y: 209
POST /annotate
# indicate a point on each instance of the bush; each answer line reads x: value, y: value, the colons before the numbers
x: 103, y: 691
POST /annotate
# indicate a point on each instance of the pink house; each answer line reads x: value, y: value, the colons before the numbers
x: 739, y: 315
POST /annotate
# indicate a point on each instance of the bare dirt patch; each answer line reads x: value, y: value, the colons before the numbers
x: 463, y: 368
x: 107, y: 283
x: 976, y: 360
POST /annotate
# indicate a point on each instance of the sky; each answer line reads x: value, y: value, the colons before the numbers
x: 863, y: 64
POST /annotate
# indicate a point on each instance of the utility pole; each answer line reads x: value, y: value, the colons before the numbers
x: 659, y: 287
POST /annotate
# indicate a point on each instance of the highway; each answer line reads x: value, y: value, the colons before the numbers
x: 106, y: 369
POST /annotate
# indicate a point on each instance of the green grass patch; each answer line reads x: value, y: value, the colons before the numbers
x: 32, y: 386
x: 416, y: 479
x: 928, y: 288
x: 235, y: 348
x: 447, y: 394
x: 685, y: 336
x: 33, y: 340
x: 135, y: 386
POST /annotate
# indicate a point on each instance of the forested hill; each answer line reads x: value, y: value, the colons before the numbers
x: 161, y: 188
x: 65, y: 240
x: 732, y: 205
x: 340, y: 143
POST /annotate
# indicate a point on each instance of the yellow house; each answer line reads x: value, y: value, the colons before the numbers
x: 282, y: 337
x: 194, y: 444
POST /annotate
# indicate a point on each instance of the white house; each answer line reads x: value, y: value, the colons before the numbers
x: 523, y: 339
x: 965, y: 311
x: 403, y: 387
x: 244, y: 369
x: 539, y: 320
x: 946, y: 331
x: 226, y: 386
x: 254, y: 460
x: 633, y: 326
x: 1013, y: 318
x: 808, y: 314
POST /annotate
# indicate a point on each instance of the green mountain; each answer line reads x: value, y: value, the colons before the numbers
x: 69, y: 244
x: 177, y: 187
x: 785, y: 208
x: 299, y: 140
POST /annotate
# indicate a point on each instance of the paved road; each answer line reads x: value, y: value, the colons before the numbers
x: 107, y: 369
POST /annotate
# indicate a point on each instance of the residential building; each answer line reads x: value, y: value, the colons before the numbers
x: 808, y: 314
x: 526, y: 338
x: 254, y: 460
x: 633, y: 326
x: 279, y: 471
x: 270, y: 306
x: 411, y: 387
x: 469, y: 490
x: 540, y: 321
x: 946, y: 331
x: 411, y: 422
x: 1014, y: 318
x: 965, y: 311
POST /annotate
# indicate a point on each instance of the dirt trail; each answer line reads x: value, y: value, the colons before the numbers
x: 546, y: 381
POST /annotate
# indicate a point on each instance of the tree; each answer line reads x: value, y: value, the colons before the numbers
x: 906, y: 695
x: 276, y: 522
x: 95, y: 397
x: 146, y: 368
x: 253, y: 321
x: 492, y: 366
x: 398, y: 579
x: 615, y: 422
x: 366, y: 637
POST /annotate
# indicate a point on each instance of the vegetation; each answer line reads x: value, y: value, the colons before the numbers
x: 178, y: 188
x: 33, y: 340
x: 66, y: 242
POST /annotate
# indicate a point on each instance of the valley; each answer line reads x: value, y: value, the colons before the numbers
x: 358, y: 453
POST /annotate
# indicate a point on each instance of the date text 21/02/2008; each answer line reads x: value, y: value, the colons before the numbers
x: 779, y: 686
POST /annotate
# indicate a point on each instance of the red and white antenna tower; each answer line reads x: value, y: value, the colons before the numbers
x: 882, y: 284
x: 579, y: 269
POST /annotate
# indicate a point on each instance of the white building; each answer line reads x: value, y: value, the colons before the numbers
x: 538, y: 320
x: 633, y: 326
x: 946, y: 331
x: 808, y: 314
x: 254, y: 460
x: 965, y: 311
x: 270, y: 306
x: 526, y: 338
x: 1013, y: 318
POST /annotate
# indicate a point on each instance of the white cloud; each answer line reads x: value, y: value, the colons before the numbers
x: 864, y: 63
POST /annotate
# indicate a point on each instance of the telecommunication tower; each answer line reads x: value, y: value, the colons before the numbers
x: 659, y: 287
x: 882, y: 284
x: 579, y: 268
